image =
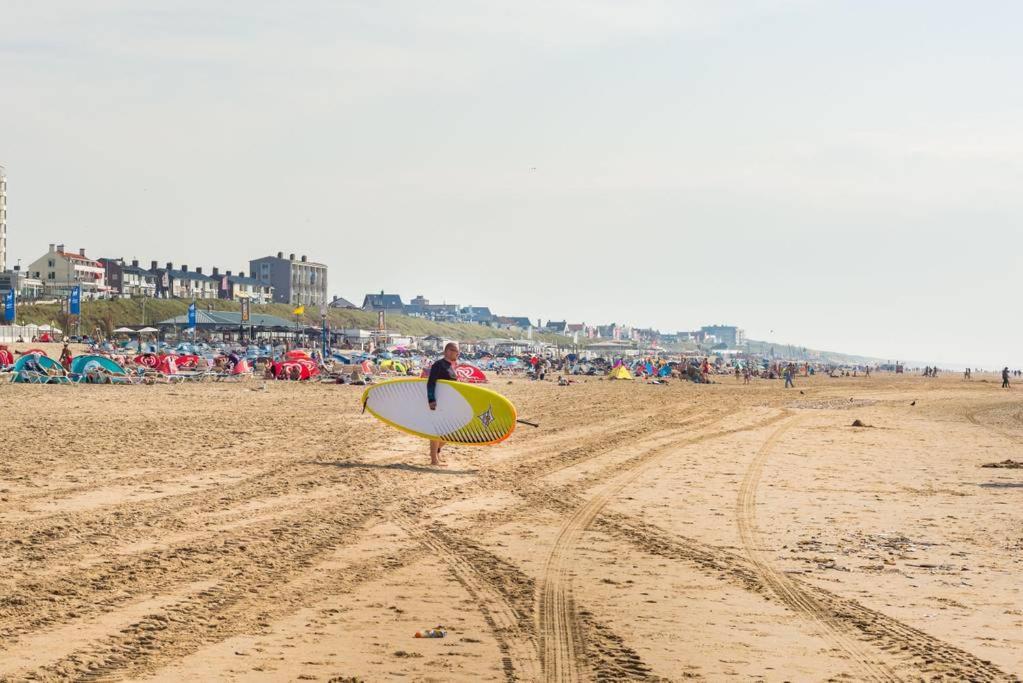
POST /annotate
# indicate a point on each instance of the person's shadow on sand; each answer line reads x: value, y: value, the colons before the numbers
x: 422, y: 469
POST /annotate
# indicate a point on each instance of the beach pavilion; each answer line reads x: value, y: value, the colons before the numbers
x: 611, y: 348
x: 229, y: 324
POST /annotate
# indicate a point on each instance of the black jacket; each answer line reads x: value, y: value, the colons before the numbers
x: 441, y: 370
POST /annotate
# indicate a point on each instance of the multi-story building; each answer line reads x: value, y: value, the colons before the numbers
x: 418, y: 307
x: 241, y: 287
x: 726, y: 334
x: 182, y: 283
x: 3, y: 220
x: 294, y: 281
x: 128, y: 279
x: 27, y: 288
x: 162, y: 277
x: 61, y: 271
x: 194, y: 284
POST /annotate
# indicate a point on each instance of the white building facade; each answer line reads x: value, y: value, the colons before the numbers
x: 60, y: 271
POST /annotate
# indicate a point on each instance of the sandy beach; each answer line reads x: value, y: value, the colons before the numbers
x: 231, y: 532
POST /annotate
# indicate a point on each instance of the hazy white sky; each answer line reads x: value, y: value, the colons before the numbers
x: 842, y: 175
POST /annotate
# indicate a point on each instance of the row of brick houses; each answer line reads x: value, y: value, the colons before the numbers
x: 271, y: 279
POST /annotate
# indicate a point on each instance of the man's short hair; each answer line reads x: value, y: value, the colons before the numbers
x: 451, y: 346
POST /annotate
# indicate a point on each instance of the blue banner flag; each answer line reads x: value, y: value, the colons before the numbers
x: 191, y: 314
x: 10, y: 301
x: 75, y: 304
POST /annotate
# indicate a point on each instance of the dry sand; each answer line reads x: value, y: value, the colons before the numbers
x: 222, y: 532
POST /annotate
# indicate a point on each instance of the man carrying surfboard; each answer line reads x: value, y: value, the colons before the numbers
x: 444, y: 368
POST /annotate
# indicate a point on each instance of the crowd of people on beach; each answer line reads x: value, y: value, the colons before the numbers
x: 274, y: 359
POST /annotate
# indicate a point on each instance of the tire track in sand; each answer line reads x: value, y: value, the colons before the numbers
x: 469, y: 564
x: 789, y: 592
x: 972, y: 415
x: 561, y: 632
x: 506, y: 596
x: 932, y: 656
x: 512, y: 625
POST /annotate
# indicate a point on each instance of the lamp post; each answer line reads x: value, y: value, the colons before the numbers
x: 324, y: 334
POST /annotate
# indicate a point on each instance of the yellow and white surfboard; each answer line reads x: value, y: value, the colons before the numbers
x: 466, y: 413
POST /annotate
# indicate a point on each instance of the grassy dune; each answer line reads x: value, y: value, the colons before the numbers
x: 107, y: 315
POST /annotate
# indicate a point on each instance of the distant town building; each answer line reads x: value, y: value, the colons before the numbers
x: 128, y: 279
x: 647, y: 336
x: 236, y: 287
x: 508, y: 322
x: 341, y: 302
x: 421, y: 307
x: 61, y: 271
x: 3, y: 219
x: 27, y: 288
x: 556, y: 326
x: 390, y: 303
x: 294, y: 281
x: 479, y: 315
x: 725, y: 334
x: 193, y: 284
x: 162, y: 277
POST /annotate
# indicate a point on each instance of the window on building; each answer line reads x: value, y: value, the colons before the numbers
x: 51, y: 263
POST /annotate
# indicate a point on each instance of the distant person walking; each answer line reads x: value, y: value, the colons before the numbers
x: 443, y: 368
x: 787, y: 373
x: 1005, y: 378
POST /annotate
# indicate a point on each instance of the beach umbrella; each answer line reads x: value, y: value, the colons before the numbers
x: 124, y: 330
x: 150, y: 360
x: 470, y: 374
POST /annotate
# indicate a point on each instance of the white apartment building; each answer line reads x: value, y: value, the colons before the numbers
x: 60, y: 271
